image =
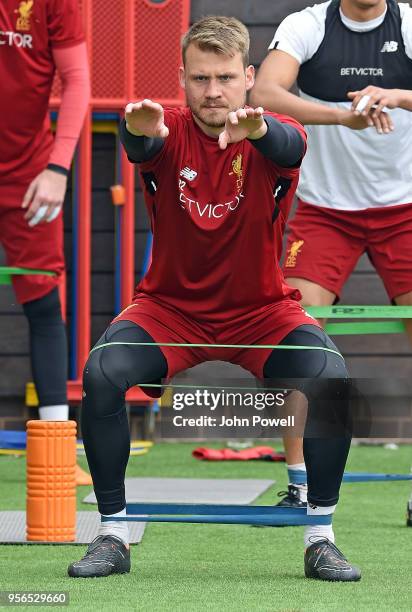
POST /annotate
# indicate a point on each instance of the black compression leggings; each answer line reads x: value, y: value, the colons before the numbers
x: 108, y: 374
x: 112, y: 370
x: 48, y: 348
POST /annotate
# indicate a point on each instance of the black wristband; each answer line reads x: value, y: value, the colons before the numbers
x: 58, y: 169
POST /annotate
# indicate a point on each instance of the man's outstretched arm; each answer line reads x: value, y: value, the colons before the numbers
x: 280, y: 142
x: 143, y: 130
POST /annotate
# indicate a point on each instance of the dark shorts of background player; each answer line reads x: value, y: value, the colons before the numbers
x: 267, y: 325
x: 324, y: 245
x: 39, y: 247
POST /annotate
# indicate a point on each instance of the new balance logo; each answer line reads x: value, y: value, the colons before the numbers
x: 389, y: 46
x: 188, y: 174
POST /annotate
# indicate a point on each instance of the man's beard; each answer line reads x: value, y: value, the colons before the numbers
x: 209, y: 122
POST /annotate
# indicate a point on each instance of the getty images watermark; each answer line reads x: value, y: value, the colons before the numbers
x: 315, y: 408
x: 226, y: 409
x: 216, y: 401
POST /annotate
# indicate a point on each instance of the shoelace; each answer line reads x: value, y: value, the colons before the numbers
x: 336, y: 550
x: 291, y: 493
x: 100, y: 547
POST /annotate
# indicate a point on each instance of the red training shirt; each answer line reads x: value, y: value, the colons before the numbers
x: 29, y: 30
x: 216, y: 224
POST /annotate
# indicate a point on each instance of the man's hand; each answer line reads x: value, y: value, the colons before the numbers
x: 241, y: 124
x: 146, y: 118
x: 374, y: 101
x: 44, y: 197
x: 357, y: 121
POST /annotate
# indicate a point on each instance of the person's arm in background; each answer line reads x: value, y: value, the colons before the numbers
x: 277, y: 75
x: 45, y: 195
x: 72, y: 66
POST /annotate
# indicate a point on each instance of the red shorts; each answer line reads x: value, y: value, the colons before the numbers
x: 267, y: 325
x: 39, y: 247
x: 324, y: 245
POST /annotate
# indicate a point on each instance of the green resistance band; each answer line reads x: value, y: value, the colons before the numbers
x: 245, y: 346
x: 362, y: 312
x: 240, y: 346
x: 6, y: 273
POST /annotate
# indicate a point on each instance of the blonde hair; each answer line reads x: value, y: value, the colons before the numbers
x: 223, y: 35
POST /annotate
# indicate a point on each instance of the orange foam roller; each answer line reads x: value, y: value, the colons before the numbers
x: 51, y: 481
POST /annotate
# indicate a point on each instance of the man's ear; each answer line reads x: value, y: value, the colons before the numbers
x: 182, y: 79
x: 250, y: 77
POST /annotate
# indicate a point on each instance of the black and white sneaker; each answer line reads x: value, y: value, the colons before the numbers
x: 292, y: 497
x: 105, y: 555
x: 324, y: 561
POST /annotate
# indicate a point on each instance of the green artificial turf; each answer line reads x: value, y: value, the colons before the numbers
x: 230, y: 568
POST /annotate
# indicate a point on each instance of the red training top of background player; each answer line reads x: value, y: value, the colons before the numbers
x: 29, y: 29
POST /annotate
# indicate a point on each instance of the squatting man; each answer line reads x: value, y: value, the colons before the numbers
x: 213, y: 280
